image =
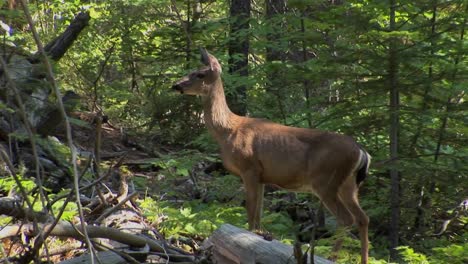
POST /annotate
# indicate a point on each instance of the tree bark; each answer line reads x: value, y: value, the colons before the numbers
x: 394, y: 137
x: 59, y: 46
x: 274, y: 8
x: 306, y: 82
x: 233, y: 245
x: 275, y: 81
x: 66, y: 229
x: 239, y: 52
x: 452, y: 100
x: 419, y: 221
x: 105, y: 257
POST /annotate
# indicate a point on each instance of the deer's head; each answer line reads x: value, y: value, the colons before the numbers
x: 200, y: 82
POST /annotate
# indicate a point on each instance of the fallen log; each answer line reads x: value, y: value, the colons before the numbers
x: 233, y: 245
x: 66, y: 229
x: 13, y: 207
x: 104, y: 257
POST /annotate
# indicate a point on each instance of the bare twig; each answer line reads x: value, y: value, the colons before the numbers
x: 463, y: 206
x: 63, y: 249
x: 113, y: 209
x: 65, y: 229
x: 51, y: 78
x: 122, y: 254
x: 27, y: 126
x: 182, y: 22
x: 100, y: 73
x: 12, y: 207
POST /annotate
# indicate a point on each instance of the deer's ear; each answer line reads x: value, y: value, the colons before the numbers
x: 205, y: 56
x: 214, y: 64
x: 210, y: 60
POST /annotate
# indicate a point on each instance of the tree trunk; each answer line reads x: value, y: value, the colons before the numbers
x: 452, y: 100
x: 23, y: 89
x: 306, y: 82
x: 274, y: 9
x: 419, y: 221
x: 239, y: 52
x: 59, y: 46
x: 394, y: 137
x: 275, y: 53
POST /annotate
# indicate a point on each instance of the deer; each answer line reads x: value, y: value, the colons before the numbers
x: 330, y: 165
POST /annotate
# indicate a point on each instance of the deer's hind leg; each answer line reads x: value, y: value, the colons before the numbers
x: 343, y: 217
x: 348, y: 194
x: 338, y: 209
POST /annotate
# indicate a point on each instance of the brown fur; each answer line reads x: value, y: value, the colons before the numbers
x: 296, y: 159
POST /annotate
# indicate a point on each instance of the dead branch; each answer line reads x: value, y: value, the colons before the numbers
x: 59, y: 46
x: 462, y: 207
x: 12, y: 207
x: 65, y: 229
x: 109, y: 211
x: 53, y: 82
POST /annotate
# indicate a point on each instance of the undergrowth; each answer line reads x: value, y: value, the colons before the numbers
x: 186, y: 217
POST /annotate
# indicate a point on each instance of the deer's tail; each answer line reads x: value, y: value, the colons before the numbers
x: 363, y: 168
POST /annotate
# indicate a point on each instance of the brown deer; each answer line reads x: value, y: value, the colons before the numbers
x: 328, y: 164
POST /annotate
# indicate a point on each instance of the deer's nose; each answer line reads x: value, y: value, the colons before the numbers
x: 178, y: 88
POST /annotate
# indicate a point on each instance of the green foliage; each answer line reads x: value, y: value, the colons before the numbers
x: 457, y: 254
x: 70, y: 211
x: 4, y: 107
x: 52, y: 145
x: 78, y: 122
x: 411, y: 257
x: 191, y: 218
x: 179, y: 164
x: 9, y: 184
x: 205, y: 142
x: 334, y: 76
x: 224, y: 188
x: 279, y: 224
x: 195, y: 218
x: 349, y: 252
x: 5, y: 220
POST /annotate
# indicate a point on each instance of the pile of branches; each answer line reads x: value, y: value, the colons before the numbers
x: 117, y: 234
x: 109, y: 227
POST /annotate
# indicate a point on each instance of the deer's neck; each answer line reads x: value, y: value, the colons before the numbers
x: 218, y: 116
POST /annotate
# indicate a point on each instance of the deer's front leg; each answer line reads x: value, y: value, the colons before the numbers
x: 254, y: 199
x: 259, y: 208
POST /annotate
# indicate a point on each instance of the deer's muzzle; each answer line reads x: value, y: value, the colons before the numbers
x: 178, y: 88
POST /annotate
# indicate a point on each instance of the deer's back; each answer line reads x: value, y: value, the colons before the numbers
x: 275, y: 151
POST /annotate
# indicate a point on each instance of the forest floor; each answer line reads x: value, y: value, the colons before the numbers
x: 184, y: 193
x: 180, y: 195
x: 180, y: 191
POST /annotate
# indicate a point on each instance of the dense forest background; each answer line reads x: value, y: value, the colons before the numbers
x: 392, y: 74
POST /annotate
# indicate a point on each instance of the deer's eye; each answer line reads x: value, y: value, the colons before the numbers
x: 200, y: 75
